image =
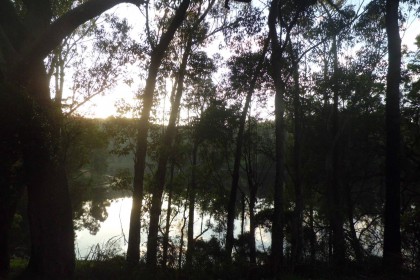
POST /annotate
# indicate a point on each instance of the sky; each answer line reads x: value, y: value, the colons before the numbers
x: 103, y: 106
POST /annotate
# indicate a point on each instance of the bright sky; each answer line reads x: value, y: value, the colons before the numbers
x: 103, y: 106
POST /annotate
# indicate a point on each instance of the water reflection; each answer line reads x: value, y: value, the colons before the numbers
x: 114, y: 230
x: 116, y: 224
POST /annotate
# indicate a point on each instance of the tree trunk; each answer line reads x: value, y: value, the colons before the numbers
x: 297, y: 245
x: 181, y: 243
x: 334, y: 169
x: 243, y: 212
x: 168, y: 218
x: 312, y: 240
x: 253, y: 188
x: 191, y: 209
x: 133, y: 250
x: 238, y: 155
x: 355, y: 243
x: 165, y: 150
x: 11, y: 165
x: 49, y: 207
x: 252, y: 224
x: 9, y: 198
x: 392, y: 234
x: 52, y: 236
x: 277, y: 234
x: 7, y: 209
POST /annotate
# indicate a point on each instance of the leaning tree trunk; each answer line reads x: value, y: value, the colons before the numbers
x: 133, y: 250
x: 238, y: 154
x: 165, y: 150
x: 392, y: 234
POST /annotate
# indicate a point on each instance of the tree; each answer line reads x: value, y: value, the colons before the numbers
x: 249, y: 89
x: 392, y: 234
x: 157, y: 54
x: 29, y: 31
x: 282, y: 16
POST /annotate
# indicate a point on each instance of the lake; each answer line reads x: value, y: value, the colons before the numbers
x: 115, y: 229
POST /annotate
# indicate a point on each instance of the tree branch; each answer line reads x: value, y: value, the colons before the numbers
x: 66, y: 24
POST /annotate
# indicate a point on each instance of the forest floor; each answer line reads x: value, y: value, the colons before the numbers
x: 116, y: 268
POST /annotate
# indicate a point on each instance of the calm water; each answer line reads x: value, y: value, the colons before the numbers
x: 116, y: 227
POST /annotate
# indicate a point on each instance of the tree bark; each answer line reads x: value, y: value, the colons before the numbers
x: 392, y: 236
x: 277, y: 234
x: 133, y: 253
x: 52, y: 236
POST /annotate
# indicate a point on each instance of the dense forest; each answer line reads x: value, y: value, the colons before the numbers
x: 299, y: 119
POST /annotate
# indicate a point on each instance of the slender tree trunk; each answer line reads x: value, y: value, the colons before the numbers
x: 181, y: 244
x: 392, y: 234
x: 242, y: 213
x: 277, y: 228
x: 167, y: 144
x: 165, y: 150
x: 59, y: 80
x: 297, y: 249
x: 191, y: 209
x: 133, y: 250
x: 355, y: 243
x: 312, y: 240
x: 252, y: 223
x: 253, y: 188
x: 168, y: 218
x: 334, y: 184
x: 238, y: 155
